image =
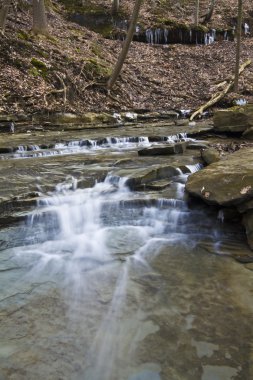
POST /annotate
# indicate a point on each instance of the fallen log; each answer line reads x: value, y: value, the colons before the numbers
x: 220, y: 94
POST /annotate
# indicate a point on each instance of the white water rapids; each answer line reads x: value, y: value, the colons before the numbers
x: 91, y: 252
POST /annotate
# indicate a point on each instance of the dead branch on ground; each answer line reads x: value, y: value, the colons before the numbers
x: 220, y: 94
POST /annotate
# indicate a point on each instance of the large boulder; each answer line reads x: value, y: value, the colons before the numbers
x: 210, y: 155
x: 235, y: 119
x: 226, y: 182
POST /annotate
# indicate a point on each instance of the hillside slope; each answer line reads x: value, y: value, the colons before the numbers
x: 66, y: 71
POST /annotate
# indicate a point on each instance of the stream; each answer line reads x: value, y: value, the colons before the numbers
x: 100, y: 280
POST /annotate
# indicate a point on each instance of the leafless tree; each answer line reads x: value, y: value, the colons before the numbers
x: 197, y: 13
x: 115, y: 7
x: 4, y: 13
x: 126, y: 45
x: 209, y: 14
x: 40, y: 25
x: 238, y: 44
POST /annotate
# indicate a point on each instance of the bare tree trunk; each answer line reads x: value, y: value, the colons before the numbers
x: 39, y: 17
x: 115, y: 7
x: 238, y: 44
x: 4, y: 13
x: 126, y: 45
x: 197, y: 13
x: 209, y: 14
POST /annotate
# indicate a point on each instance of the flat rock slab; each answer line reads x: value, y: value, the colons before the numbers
x: 226, y: 182
x: 235, y: 119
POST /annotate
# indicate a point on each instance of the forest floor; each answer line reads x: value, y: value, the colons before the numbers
x: 67, y: 71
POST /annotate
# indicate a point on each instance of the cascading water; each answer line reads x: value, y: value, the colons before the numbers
x: 116, y: 144
x: 74, y: 234
x: 103, y: 283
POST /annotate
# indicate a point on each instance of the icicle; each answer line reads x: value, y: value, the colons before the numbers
x: 213, y: 34
x: 149, y: 36
x: 158, y: 35
x: 166, y: 35
x: 246, y: 29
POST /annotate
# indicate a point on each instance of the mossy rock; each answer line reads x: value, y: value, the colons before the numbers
x: 234, y: 119
x: 23, y: 35
x: 171, y: 24
x: 200, y: 28
x: 38, y: 68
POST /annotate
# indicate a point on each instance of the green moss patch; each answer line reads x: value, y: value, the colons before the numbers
x: 39, y: 68
x: 95, y: 69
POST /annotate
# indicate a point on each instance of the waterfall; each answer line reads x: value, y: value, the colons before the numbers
x: 101, y: 257
x: 78, y: 220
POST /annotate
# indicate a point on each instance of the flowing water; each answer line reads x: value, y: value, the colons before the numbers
x: 105, y: 283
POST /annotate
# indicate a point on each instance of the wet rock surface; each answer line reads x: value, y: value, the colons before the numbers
x: 228, y: 182
x: 163, y: 150
x: 34, y: 162
x: 235, y: 119
x: 100, y: 282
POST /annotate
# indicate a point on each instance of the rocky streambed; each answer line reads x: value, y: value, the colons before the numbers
x: 108, y: 270
x: 228, y: 181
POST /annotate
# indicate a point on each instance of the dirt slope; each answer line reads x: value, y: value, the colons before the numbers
x: 37, y: 72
